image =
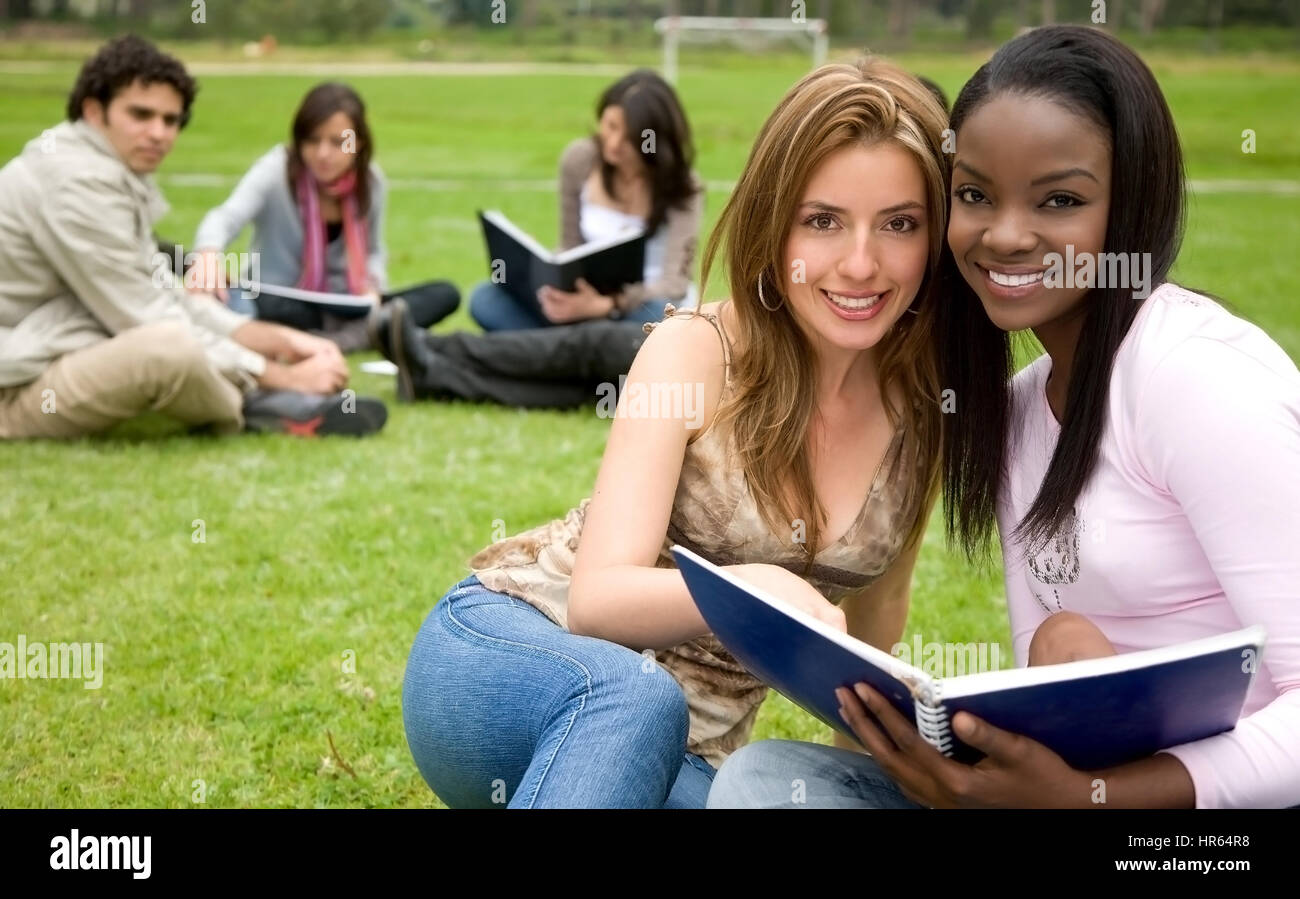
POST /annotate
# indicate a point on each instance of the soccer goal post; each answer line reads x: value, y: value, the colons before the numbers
x: 751, y: 34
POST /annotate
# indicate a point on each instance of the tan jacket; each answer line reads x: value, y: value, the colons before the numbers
x: 76, y: 260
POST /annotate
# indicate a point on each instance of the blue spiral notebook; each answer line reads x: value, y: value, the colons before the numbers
x: 1094, y: 714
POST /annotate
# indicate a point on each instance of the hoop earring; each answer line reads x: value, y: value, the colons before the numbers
x: 763, y: 301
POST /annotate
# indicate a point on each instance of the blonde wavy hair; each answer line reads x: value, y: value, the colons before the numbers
x: 771, y: 408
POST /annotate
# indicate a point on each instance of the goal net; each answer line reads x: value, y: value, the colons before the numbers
x: 750, y: 34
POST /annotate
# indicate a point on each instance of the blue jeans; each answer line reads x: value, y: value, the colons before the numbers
x: 496, y: 310
x: 243, y: 304
x: 791, y: 774
x: 502, y: 707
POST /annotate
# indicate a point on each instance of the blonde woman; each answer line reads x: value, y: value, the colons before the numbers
x: 572, y: 668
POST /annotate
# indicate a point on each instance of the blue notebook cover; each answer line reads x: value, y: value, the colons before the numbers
x: 1094, y: 713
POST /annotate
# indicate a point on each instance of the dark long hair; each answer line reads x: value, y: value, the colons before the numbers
x: 321, y: 102
x: 650, y: 104
x: 1096, y: 76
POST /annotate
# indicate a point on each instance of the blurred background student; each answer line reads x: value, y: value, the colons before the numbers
x: 634, y: 174
x: 317, y: 210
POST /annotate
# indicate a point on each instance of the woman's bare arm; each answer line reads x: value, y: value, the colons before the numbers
x: 878, y: 614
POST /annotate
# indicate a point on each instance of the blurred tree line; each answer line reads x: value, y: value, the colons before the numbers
x: 221, y: 19
x: 331, y: 20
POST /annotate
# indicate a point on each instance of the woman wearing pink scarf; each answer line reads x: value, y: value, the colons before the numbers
x: 317, y: 223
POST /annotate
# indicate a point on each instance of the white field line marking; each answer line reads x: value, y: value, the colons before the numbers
x: 1245, y: 186
x: 354, y: 68
x: 545, y: 185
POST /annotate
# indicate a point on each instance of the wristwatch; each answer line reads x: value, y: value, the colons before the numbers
x: 615, y: 313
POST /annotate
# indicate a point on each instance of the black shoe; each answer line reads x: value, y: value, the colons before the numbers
x: 426, y: 305
x: 309, y: 415
x: 410, y: 355
x: 377, y: 328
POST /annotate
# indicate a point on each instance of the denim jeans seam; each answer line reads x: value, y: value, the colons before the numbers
x: 875, y: 781
x: 546, y: 769
x: 856, y: 782
x: 462, y: 589
x: 478, y: 636
x: 701, y: 764
x: 535, y: 650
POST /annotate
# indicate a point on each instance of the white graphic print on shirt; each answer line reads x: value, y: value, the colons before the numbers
x: 1057, y: 562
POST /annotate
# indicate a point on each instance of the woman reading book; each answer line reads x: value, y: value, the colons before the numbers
x: 572, y: 668
x: 317, y: 210
x: 1141, y: 473
x: 588, y: 341
x: 633, y: 175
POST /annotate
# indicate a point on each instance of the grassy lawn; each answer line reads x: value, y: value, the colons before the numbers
x: 223, y: 658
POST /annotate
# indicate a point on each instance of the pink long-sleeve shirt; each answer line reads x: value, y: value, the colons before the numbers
x: 1188, y: 527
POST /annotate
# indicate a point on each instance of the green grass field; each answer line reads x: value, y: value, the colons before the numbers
x: 223, y: 659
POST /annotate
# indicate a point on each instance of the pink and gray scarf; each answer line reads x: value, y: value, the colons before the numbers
x: 313, y: 232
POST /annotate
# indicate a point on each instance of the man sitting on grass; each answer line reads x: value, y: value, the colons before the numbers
x: 89, y: 335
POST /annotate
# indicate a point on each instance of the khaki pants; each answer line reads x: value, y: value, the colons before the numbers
x: 160, y: 367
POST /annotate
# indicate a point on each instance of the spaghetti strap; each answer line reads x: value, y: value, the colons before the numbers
x: 712, y: 318
x: 716, y: 319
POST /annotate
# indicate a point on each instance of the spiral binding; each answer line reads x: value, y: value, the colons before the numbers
x: 932, y: 720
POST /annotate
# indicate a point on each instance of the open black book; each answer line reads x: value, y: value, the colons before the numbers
x: 521, y: 265
x: 346, y: 305
x: 1094, y: 713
